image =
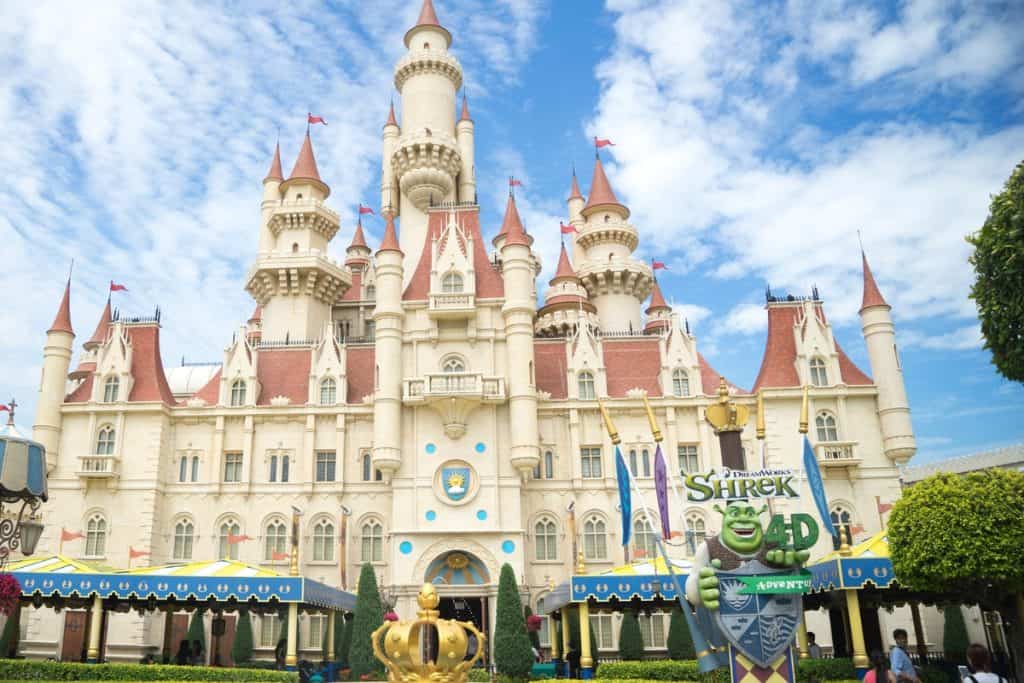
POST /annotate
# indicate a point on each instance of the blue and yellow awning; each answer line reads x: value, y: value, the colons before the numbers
x: 647, y: 580
x: 866, y: 563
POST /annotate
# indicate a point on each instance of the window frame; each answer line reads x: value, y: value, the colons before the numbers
x: 238, y: 392
x: 586, y: 385
x: 818, y: 371
x: 106, y: 440
x: 691, y: 458
x: 184, y: 540
x: 826, y: 432
x: 275, y: 538
x: 449, y: 281
x: 596, y: 537
x: 228, y: 526
x: 371, y: 541
x: 111, y: 389
x: 588, y: 456
x: 680, y: 383
x: 96, y: 529
x: 323, y: 534
x: 545, y: 539
x: 235, y: 460
x: 329, y: 461
x: 328, y: 391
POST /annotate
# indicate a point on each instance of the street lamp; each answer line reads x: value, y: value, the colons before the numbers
x: 22, y: 480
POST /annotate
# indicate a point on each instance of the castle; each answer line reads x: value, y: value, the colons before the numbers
x: 420, y: 407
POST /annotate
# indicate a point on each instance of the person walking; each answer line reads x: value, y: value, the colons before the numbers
x: 899, y: 660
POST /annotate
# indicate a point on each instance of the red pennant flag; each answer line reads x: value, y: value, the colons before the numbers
x: 277, y: 557
x: 567, y: 229
x: 235, y: 540
x: 884, y: 507
x: 365, y: 209
x: 66, y: 535
x: 315, y: 119
x: 133, y: 553
x: 639, y: 552
x: 512, y: 182
x: 602, y: 142
x: 114, y: 287
x: 856, y: 529
x: 5, y: 409
x: 658, y: 265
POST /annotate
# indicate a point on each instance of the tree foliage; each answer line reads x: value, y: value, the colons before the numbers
x: 961, y: 535
x: 680, y: 642
x: 369, y: 615
x: 631, y: 642
x: 241, y: 649
x: 197, y: 630
x: 512, y: 654
x: 998, y: 291
x: 9, y: 638
x: 954, y: 634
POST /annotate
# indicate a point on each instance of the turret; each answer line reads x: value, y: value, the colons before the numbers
x: 56, y: 361
x: 387, y: 318
x: 615, y: 281
x: 659, y: 313
x: 565, y: 303
x: 464, y: 136
x: 576, y: 203
x: 271, y: 197
x: 87, y: 361
x: 389, y: 195
x: 880, y: 338
x: 518, y: 311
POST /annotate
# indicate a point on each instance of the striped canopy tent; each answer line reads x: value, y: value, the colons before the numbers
x: 645, y: 580
x: 22, y: 465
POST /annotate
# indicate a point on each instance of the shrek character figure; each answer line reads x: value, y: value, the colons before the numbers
x: 740, y: 541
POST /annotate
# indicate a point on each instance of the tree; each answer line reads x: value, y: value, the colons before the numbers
x: 631, y: 642
x: 241, y: 649
x: 512, y: 654
x: 680, y: 642
x: 998, y: 291
x: 369, y: 615
x: 346, y: 642
x: 9, y: 638
x: 534, y: 635
x: 197, y: 630
x: 954, y: 634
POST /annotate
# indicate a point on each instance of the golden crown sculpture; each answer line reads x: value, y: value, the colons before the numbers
x: 427, y: 648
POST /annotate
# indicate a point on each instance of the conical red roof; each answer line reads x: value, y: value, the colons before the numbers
x: 99, y: 335
x: 657, y: 300
x: 601, y: 193
x: 512, y: 225
x: 428, y: 17
x: 62, y: 322
x: 257, y: 314
x: 358, y: 239
x: 391, y: 116
x: 305, y: 165
x: 390, y: 241
x: 872, y: 295
x: 565, y: 269
x: 464, y: 116
x: 275, y: 172
x: 575, y: 194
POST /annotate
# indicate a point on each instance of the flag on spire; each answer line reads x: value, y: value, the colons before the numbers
x: 314, y: 119
x: 114, y: 287
x: 658, y: 265
x: 513, y: 182
x: 365, y: 210
x: 567, y: 229
x: 602, y: 142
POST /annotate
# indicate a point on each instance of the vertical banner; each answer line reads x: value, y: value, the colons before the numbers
x: 661, y: 491
x: 625, y: 501
x: 817, y: 486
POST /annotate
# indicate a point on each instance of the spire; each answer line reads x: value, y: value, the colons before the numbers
x: 390, y: 241
x: 275, y: 172
x: 872, y: 296
x: 62, y: 323
x: 601, y: 193
x: 464, y: 116
x: 575, y: 194
x: 305, y: 165
x: 565, y: 269
x: 512, y: 225
x: 358, y: 239
x: 428, y: 17
x: 99, y: 335
x: 657, y: 300
x: 257, y: 314
x: 391, y: 116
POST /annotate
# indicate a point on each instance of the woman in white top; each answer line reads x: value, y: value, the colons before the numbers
x: 981, y: 664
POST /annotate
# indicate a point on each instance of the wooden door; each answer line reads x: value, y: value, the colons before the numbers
x: 179, y: 630
x: 73, y: 645
x: 227, y: 641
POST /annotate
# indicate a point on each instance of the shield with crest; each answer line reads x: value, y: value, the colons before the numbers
x: 759, y: 626
x: 455, y: 481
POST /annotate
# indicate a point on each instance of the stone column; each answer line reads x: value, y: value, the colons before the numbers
x: 92, y: 654
x: 291, y: 657
x: 860, y: 656
x: 586, y: 660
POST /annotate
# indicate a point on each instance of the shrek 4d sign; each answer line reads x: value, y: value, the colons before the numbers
x: 729, y: 484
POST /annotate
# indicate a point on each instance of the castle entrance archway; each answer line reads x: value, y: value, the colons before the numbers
x: 462, y: 582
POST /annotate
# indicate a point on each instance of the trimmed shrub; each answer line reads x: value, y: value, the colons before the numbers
x: 369, y: 615
x: 631, y: 642
x: 686, y: 670
x: 9, y: 638
x: 954, y: 634
x: 241, y: 649
x: 346, y: 642
x: 24, y: 670
x: 512, y: 654
x: 825, y: 669
x: 680, y: 642
x: 197, y: 630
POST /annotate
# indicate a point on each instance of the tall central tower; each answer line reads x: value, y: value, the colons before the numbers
x: 427, y: 158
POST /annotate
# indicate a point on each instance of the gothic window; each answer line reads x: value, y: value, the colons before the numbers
x: 285, y: 467
x: 453, y: 364
x: 451, y: 283
x: 645, y: 461
x: 819, y: 376
x: 184, y: 533
x: 595, y: 539
x: 195, y: 468
x: 545, y: 631
x: 273, y: 468
x: 643, y: 539
x: 110, y: 388
x: 367, y: 464
x: 225, y: 548
x: 698, y: 528
x: 371, y: 293
x: 105, y: 441
x: 545, y: 539
x: 632, y: 464
x: 840, y: 516
x: 826, y: 426
x: 238, y: 392
x: 96, y: 536
x: 549, y: 465
x: 585, y: 380
x: 328, y: 392
x: 295, y: 245
x: 275, y: 541
x: 183, y: 469
x: 680, y: 383
x: 373, y: 542
x: 323, y: 541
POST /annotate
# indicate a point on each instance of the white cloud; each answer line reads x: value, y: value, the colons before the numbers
x: 743, y: 319
x: 692, y: 313
x: 963, y: 338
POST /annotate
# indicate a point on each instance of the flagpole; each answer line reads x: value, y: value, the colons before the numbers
x: 761, y: 431
x: 878, y: 509
x: 658, y: 438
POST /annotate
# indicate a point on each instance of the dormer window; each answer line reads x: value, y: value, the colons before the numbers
x: 328, y: 392
x: 238, y: 392
x: 819, y: 375
x: 451, y: 283
x: 585, y: 382
x: 680, y: 383
x: 110, y: 389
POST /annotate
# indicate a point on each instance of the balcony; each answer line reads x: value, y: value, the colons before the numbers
x: 453, y: 306
x: 471, y: 385
x: 98, y: 466
x: 837, y: 454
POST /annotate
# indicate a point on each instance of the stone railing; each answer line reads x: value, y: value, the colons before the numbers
x: 98, y: 466
x: 466, y: 384
x: 837, y: 453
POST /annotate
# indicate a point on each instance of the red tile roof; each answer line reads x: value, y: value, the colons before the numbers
x: 354, y: 293
x: 305, y: 165
x: 85, y: 367
x: 657, y: 300
x: 62, y: 322
x: 428, y: 17
x: 99, y: 335
x: 358, y: 239
x: 257, y: 314
x: 601, y: 193
x: 150, y: 382
x: 275, y: 172
x: 659, y: 324
x: 391, y: 116
x: 872, y: 296
x: 83, y: 391
x: 210, y: 392
x: 283, y: 372
x: 390, y: 241
x: 575, y: 192
x: 851, y: 373
x: 551, y: 367
x: 710, y: 378
x: 633, y: 363
x: 512, y: 225
x: 359, y: 370
x: 564, y: 269
x: 574, y: 299
x: 489, y: 284
x: 464, y: 116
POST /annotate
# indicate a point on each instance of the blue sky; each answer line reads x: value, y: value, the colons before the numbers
x: 753, y: 139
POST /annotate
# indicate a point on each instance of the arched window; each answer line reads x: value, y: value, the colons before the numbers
x: 105, y: 441
x: 238, y: 392
x: 645, y: 460
x: 371, y: 293
x: 328, y: 392
x: 367, y: 466
x: 183, y: 469
x: 633, y: 464
x: 680, y: 383
x: 585, y: 380
x: 273, y: 468
x: 643, y: 539
x: 453, y: 364
x: 285, y: 467
x: 545, y: 539
x: 698, y: 531
x: 295, y: 245
x: 110, y: 389
x: 819, y: 375
x: 373, y: 542
x: 96, y: 536
x: 275, y: 541
x: 323, y: 541
x: 451, y: 283
x: 826, y: 426
x: 184, y: 532
x: 195, y: 468
x: 549, y: 465
x: 840, y: 515
x: 225, y: 548
x: 545, y: 630
x: 595, y: 539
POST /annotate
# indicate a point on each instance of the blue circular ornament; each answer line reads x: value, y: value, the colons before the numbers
x: 431, y: 449
x: 431, y: 515
x: 481, y: 515
x: 508, y: 547
x: 480, y: 447
x: 405, y: 547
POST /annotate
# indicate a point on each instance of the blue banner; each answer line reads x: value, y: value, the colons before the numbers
x: 813, y: 474
x: 625, y: 501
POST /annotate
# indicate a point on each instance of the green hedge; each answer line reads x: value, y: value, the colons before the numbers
x: 23, y: 670
x: 839, y: 669
x: 686, y: 670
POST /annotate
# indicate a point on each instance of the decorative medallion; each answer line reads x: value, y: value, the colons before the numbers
x: 480, y: 447
x: 481, y: 515
x: 456, y: 482
x: 405, y: 547
x: 431, y: 515
x: 508, y: 547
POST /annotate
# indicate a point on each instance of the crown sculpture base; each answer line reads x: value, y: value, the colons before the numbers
x: 428, y: 648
